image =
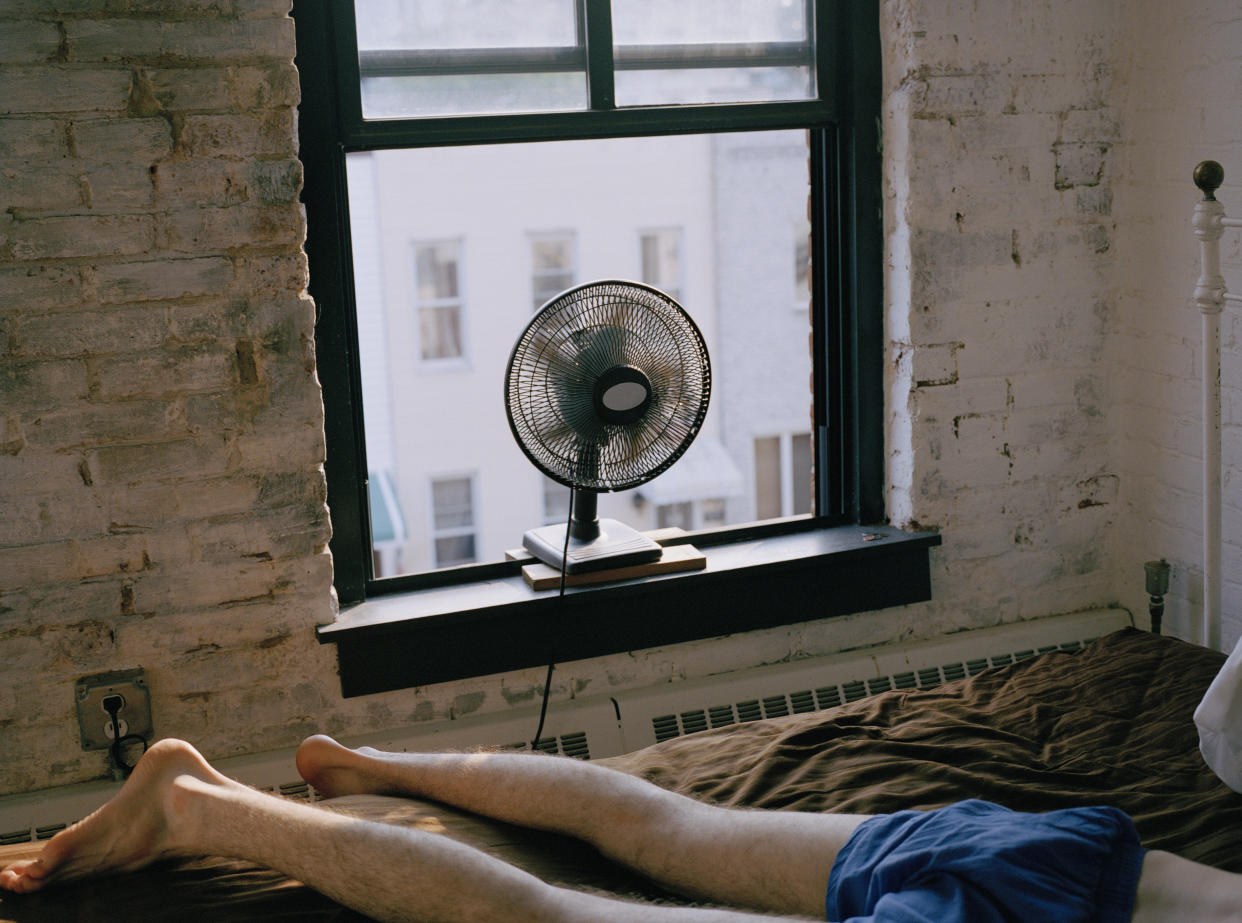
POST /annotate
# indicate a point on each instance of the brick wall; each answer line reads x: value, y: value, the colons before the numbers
x: 1001, y: 132
x: 161, y: 496
x: 161, y: 430
x: 1183, y: 104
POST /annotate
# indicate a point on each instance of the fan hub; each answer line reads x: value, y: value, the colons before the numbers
x: 622, y: 395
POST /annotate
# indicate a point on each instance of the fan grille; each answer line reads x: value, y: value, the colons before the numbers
x: 573, y: 340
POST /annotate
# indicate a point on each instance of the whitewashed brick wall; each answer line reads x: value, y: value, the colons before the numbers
x: 161, y: 430
x: 1182, y: 71
x: 1001, y: 126
x: 161, y: 495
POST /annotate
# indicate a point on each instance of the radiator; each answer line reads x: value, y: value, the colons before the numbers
x: 609, y: 725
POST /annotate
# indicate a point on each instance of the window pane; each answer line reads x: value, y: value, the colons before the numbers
x: 713, y: 511
x: 452, y: 503
x: 730, y: 200
x: 661, y: 260
x: 471, y: 94
x: 439, y: 333
x: 455, y: 549
x: 718, y: 85
x: 675, y: 515
x: 552, y: 267
x: 450, y: 57
x: 767, y: 477
x: 659, y: 22
x: 437, y: 271
x: 705, y: 51
x: 800, y: 467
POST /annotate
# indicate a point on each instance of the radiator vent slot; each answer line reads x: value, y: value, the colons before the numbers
x: 679, y: 724
x: 572, y: 744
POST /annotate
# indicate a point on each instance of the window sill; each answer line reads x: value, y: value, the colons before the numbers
x: 490, y: 626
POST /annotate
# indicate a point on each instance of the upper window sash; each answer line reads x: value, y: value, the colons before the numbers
x: 602, y: 118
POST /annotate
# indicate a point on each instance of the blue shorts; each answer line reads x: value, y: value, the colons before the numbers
x: 976, y: 862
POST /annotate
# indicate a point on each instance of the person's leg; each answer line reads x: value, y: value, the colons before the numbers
x: 1173, y: 888
x: 175, y: 804
x: 773, y: 861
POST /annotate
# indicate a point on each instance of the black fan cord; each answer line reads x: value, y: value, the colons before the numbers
x: 547, y: 682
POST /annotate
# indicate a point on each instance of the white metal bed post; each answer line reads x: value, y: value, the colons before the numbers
x: 1209, y: 222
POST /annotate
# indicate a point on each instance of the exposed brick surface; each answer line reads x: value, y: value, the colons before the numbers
x: 154, y: 381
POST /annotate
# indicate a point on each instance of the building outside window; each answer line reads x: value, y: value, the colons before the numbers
x: 439, y: 303
x: 551, y: 266
x: 629, y: 120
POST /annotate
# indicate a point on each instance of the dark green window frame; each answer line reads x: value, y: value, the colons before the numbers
x: 846, y: 318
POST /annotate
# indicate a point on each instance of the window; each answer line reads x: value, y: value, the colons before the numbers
x: 675, y: 515
x: 551, y: 266
x: 661, y: 260
x: 452, y: 520
x: 650, y: 129
x: 438, y: 300
x: 783, y: 475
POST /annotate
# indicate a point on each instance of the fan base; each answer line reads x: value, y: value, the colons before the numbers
x: 618, y: 545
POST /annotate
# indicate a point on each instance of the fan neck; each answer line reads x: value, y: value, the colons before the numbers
x: 585, y: 523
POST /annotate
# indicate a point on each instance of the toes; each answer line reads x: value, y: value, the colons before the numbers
x: 22, y: 876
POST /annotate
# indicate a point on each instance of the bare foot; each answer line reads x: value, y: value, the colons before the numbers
x: 145, y: 821
x: 335, y: 770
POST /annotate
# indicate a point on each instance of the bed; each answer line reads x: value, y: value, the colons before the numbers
x: 1109, y: 724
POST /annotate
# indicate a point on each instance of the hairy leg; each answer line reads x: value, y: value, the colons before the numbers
x: 1173, y: 888
x: 775, y: 862
x: 175, y: 804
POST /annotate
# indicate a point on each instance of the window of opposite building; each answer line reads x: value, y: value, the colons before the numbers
x: 453, y: 521
x: 677, y: 144
x: 438, y: 299
x: 552, y: 262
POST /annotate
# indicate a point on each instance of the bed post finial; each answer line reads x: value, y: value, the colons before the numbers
x: 1208, y: 177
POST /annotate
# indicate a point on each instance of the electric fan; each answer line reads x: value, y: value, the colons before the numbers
x: 606, y: 387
